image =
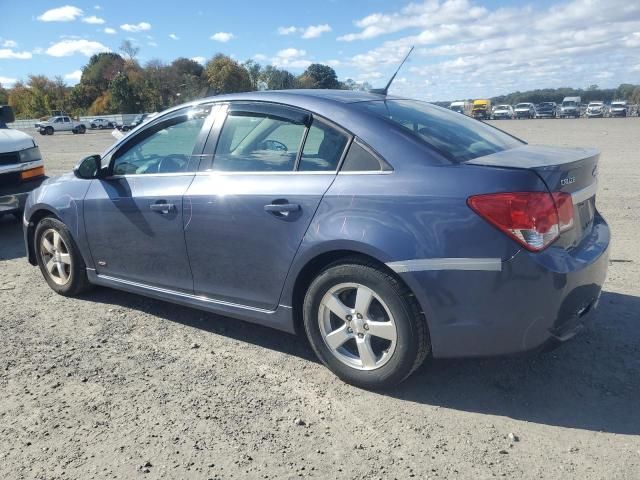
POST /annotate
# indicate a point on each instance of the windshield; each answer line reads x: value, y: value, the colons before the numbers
x: 617, y: 105
x: 502, y: 107
x: 457, y: 137
x: 570, y: 103
x: 522, y: 105
x: 595, y: 104
x: 546, y: 104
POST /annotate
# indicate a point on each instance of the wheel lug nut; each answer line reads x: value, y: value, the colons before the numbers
x: 358, y: 315
x: 361, y: 335
x: 349, y: 317
x: 350, y: 330
x: 366, y: 327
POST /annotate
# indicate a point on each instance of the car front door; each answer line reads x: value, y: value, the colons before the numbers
x: 249, y: 207
x: 134, y: 216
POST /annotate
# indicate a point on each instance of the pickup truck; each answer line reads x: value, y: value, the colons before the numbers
x: 60, y: 124
x: 21, y: 166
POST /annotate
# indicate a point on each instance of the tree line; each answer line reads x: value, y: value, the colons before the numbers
x: 114, y: 83
x: 625, y: 91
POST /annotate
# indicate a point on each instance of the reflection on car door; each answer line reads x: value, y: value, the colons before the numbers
x: 134, y: 218
x: 248, y: 212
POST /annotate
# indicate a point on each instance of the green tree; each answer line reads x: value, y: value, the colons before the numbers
x: 254, y: 70
x: 4, y: 95
x: 225, y: 75
x: 123, y: 98
x: 275, y: 79
x: 318, y: 75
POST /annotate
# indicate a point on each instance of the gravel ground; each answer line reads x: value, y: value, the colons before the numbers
x: 112, y: 385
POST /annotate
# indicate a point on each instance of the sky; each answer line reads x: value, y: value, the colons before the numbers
x: 463, y: 48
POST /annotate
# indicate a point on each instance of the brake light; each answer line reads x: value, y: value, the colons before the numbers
x: 533, y: 219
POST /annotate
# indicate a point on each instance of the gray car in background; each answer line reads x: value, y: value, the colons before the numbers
x: 386, y: 229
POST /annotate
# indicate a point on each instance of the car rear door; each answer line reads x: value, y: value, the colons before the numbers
x: 251, y: 203
x: 134, y: 216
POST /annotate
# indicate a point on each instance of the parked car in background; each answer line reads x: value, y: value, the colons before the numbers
x: 101, y: 123
x: 481, y: 109
x: 547, y: 110
x: 60, y: 124
x: 21, y: 166
x: 503, y: 112
x: 461, y: 107
x: 525, y: 110
x: 619, y: 108
x: 570, y: 107
x: 381, y: 256
x: 137, y: 120
x: 596, y: 110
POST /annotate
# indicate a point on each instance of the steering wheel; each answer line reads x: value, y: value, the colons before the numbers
x: 171, y: 164
x: 273, y: 145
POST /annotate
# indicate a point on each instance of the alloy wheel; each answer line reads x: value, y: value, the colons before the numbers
x: 357, y: 326
x: 55, y: 256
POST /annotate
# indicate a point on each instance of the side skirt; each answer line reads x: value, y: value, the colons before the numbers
x: 281, y: 318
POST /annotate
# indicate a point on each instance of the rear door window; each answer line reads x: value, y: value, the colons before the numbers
x: 323, y: 148
x: 258, y: 142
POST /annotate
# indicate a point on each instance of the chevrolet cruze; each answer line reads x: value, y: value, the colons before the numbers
x: 386, y: 229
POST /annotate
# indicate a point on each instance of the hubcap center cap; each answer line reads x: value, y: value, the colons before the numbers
x: 358, y: 325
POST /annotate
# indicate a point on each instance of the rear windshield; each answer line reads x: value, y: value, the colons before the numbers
x: 457, y: 137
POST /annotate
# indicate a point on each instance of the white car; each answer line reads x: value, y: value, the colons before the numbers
x: 619, y: 108
x: 21, y: 166
x: 61, y: 123
x: 595, y: 110
x: 525, y: 110
x: 101, y: 123
x: 503, y: 112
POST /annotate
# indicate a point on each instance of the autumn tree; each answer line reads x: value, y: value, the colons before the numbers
x: 225, y: 75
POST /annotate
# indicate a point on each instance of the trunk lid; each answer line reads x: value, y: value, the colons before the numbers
x: 569, y: 170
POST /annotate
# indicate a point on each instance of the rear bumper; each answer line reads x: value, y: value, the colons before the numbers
x: 13, y: 198
x: 533, y: 300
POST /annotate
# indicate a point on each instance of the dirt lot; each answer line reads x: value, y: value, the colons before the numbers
x: 113, y: 385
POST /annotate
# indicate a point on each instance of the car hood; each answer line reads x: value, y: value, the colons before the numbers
x: 14, y: 140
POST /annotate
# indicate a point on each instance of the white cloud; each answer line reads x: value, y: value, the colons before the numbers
x: 8, y: 54
x: 173, y: 36
x: 464, y: 50
x: 67, y: 13
x: 200, y: 60
x: 260, y: 57
x: 93, y: 20
x: 7, y: 81
x: 10, y: 44
x: 67, y: 48
x: 287, y: 30
x: 291, y: 58
x: 74, y: 76
x: 222, y: 36
x: 314, y: 31
x: 136, y: 27
x: 152, y: 44
x: 97, y: 7
x: 110, y: 31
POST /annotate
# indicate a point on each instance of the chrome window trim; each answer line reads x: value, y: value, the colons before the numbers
x: 148, y: 175
x: 584, y: 194
x: 286, y: 172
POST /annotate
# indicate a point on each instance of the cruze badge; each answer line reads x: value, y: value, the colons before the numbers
x: 567, y: 181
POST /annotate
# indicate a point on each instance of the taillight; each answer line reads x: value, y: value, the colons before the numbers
x: 533, y: 219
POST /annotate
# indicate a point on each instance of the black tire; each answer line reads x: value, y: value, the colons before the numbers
x: 82, y: 129
x: 48, y: 131
x: 77, y: 276
x: 412, y: 343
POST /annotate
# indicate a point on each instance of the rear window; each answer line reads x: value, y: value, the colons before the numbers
x: 456, y: 136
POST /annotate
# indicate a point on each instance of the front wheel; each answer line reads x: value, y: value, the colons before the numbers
x: 48, y: 131
x: 59, y: 259
x: 364, y: 325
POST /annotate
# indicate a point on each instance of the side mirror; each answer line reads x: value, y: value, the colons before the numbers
x: 88, y: 168
x: 6, y: 114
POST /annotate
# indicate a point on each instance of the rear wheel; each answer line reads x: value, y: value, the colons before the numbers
x: 59, y: 259
x: 48, y: 131
x: 364, y: 325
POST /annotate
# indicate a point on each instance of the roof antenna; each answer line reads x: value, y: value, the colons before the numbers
x: 385, y: 90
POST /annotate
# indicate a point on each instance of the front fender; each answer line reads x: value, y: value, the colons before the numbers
x: 63, y: 198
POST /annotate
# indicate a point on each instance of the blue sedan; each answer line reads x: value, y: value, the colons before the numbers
x: 386, y: 229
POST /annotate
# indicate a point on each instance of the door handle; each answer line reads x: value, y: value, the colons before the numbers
x: 281, y: 209
x: 162, y: 207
